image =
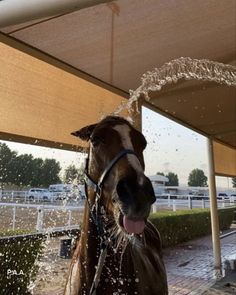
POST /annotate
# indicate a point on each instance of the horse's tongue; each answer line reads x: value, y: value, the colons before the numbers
x: 133, y: 227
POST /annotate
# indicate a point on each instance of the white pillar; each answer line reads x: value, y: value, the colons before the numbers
x: 214, y: 212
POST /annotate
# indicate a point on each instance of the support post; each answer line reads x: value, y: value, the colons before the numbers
x: 214, y: 212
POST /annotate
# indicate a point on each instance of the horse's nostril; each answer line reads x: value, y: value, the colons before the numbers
x: 124, y: 191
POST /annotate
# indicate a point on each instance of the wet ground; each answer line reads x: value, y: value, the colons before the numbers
x: 189, y: 268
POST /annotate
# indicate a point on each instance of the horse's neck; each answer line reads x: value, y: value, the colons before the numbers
x: 127, y: 267
x: 89, y: 240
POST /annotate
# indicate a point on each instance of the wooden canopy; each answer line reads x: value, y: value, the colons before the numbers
x: 65, y: 71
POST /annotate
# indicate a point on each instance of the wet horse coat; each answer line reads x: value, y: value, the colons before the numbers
x: 133, y: 263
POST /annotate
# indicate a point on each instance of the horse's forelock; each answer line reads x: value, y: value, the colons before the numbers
x: 114, y: 120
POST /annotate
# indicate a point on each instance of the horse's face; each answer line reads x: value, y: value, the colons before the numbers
x: 127, y: 192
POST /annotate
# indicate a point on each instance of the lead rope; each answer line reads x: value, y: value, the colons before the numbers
x: 104, y: 243
x: 99, y: 267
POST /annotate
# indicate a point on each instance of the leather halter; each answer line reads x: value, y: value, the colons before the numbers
x: 97, y: 211
x: 97, y: 186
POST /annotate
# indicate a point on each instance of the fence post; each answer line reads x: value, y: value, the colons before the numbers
x: 69, y: 219
x: 169, y: 200
x: 154, y: 208
x: 174, y: 205
x: 12, y: 195
x: 14, y: 218
x: 203, y: 204
x: 25, y: 196
x: 190, y: 202
x: 39, y: 225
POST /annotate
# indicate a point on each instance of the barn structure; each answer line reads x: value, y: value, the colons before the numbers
x: 65, y: 63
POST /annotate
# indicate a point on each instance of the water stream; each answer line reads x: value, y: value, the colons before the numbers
x: 175, y: 70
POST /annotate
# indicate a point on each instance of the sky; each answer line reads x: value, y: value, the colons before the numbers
x: 171, y: 148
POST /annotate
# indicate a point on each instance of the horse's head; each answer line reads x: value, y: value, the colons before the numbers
x: 127, y: 193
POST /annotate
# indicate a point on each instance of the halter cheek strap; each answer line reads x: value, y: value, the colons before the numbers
x: 97, y: 186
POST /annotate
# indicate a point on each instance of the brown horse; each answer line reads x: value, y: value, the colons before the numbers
x: 119, y: 250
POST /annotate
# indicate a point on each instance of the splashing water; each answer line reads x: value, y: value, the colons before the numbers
x: 181, y: 68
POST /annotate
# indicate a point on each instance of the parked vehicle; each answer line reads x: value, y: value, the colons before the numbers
x: 39, y: 194
x: 233, y: 197
x: 67, y: 191
x: 60, y: 187
x: 222, y: 196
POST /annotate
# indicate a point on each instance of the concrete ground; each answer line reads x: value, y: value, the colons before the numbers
x: 189, y: 268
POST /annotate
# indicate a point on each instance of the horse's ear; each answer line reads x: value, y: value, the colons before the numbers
x: 85, y: 132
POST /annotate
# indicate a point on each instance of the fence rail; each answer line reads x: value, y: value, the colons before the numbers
x: 40, y: 212
x: 188, y: 203
x: 53, y: 198
x: 13, y: 195
x: 38, y: 218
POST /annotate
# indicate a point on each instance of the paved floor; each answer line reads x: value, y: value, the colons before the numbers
x: 189, y: 267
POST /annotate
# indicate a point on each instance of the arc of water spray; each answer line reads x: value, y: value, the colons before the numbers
x: 181, y: 68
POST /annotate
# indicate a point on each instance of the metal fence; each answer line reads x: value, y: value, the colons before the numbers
x: 172, y: 203
x: 42, y: 218
x: 9, y: 195
x: 24, y: 197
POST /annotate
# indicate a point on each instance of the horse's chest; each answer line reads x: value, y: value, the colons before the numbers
x: 118, y: 275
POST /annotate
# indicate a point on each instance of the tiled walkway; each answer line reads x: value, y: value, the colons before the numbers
x: 190, y: 266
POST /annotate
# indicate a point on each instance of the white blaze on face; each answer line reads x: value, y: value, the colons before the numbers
x: 124, y: 131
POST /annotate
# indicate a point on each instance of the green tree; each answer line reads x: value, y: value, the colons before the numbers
x: 6, y: 158
x: 173, y: 179
x: 37, y: 172
x: 50, y: 172
x: 22, y: 169
x: 160, y: 173
x: 197, y: 178
x: 234, y: 181
x: 72, y: 173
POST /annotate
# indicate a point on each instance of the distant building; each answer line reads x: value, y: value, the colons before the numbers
x: 158, y: 180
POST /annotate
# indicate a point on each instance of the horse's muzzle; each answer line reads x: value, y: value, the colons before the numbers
x: 135, y: 202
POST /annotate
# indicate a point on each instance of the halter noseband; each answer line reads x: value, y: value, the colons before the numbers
x: 97, y: 186
x: 95, y: 209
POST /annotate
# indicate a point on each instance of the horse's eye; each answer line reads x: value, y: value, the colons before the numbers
x: 96, y: 140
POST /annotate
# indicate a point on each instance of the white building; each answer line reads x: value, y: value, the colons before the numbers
x: 158, y: 180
